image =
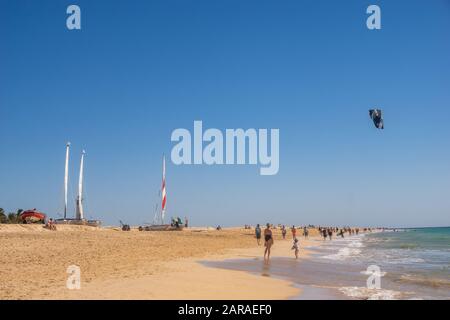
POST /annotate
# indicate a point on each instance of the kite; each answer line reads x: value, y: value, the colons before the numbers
x: 377, y: 117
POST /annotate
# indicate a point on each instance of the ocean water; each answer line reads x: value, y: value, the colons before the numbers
x: 409, y: 263
x: 413, y: 263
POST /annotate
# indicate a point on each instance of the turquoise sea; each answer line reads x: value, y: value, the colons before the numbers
x: 416, y: 261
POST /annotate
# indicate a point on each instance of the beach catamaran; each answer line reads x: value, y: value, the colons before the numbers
x: 79, y: 213
x: 158, y: 220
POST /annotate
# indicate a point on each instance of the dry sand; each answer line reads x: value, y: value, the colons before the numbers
x: 134, y: 265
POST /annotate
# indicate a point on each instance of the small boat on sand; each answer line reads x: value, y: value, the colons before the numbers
x: 32, y: 216
x: 79, y: 215
x: 158, y: 221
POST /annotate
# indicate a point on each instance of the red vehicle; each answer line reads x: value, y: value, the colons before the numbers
x: 32, y: 216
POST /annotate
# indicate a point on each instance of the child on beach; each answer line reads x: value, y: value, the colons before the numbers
x: 295, y: 247
x: 258, y: 234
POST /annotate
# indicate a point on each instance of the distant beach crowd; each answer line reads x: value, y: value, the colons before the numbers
x: 325, y: 232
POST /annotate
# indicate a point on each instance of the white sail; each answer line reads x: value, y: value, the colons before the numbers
x: 66, y: 179
x: 79, y: 212
x: 163, y: 190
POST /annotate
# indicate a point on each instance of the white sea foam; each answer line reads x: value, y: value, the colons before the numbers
x: 356, y: 244
x: 403, y: 260
x: 343, y: 254
x: 370, y: 294
x: 377, y: 274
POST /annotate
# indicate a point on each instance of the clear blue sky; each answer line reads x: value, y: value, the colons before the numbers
x: 139, y: 69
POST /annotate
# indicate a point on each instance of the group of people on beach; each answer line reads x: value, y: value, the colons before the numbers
x: 329, y: 231
x: 268, y: 239
x: 325, y: 232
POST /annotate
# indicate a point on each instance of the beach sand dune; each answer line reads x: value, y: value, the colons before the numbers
x: 130, y: 265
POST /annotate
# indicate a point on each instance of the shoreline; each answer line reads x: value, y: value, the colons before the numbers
x: 254, y: 265
x: 208, y: 264
x: 136, y: 265
x: 408, y: 267
x: 193, y: 264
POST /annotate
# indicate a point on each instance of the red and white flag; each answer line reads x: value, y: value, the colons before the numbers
x: 163, y: 189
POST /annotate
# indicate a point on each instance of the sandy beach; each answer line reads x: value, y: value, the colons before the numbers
x: 136, y: 265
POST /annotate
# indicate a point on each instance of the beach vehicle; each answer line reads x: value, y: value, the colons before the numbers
x: 158, y: 219
x: 160, y: 227
x: 32, y: 216
x: 79, y: 214
x: 124, y: 227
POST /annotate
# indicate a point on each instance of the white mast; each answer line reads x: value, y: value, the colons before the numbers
x: 79, y: 212
x: 66, y: 179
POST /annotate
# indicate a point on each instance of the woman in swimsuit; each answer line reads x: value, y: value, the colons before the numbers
x: 268, y: 238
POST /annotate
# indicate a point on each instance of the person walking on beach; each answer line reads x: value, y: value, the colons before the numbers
x: 295, y: 247
x: 330, y: 233
x: 268, y: 242
x: 305, y: 232
x: 324, y: 234
x: 258, y: 234
x: 283, y: 232
x: 294, y: 232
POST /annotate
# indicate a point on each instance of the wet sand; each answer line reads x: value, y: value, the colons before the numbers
x: 315, y: 280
